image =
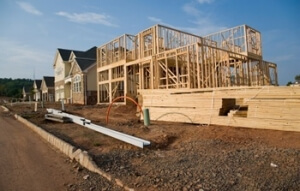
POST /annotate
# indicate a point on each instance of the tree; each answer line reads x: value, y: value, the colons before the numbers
x: 297, y: 78
x: 13, y: 87
x: 289, y: 83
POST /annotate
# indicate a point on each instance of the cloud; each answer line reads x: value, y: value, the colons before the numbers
x: 203, y: 23
x: 191, y: 10
x: 29, y: 8
x: 88, y: 17
x: 204, y: 26
x: 201, y: 26
x: 20, y: 60
x: 205, y: 1
x: 21, y: 52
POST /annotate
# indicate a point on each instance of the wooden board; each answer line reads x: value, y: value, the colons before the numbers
x: 262, y: 107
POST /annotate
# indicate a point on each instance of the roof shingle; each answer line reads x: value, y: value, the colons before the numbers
x: 49, y: 80
x: 38, y: 83
x: 64, y: 53
x: 84, y: 63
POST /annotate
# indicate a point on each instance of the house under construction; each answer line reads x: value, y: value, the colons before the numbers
x: 218, y: 79
x: 161, y: 57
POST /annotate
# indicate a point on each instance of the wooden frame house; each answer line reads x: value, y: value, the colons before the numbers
x: 161, y: 57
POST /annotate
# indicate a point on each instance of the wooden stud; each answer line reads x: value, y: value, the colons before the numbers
x: 179, y: 60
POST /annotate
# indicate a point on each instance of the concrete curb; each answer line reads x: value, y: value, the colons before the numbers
x: 77, y: 154
x: 4, y: 108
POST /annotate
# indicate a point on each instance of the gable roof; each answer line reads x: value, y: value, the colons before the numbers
x: 64, y: 53
x: 90, y: 53
x: 49, y: 81
x: 38, y: 83
x: 85, y: 63
x: 78, y: 53
x: 27, y: 89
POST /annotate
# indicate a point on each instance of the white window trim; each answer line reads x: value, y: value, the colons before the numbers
x: 77, y: 84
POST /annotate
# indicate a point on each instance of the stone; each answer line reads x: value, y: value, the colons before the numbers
x: 86, y: 177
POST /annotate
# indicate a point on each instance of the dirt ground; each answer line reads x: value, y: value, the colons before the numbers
x: 29, y: 163
x: 181, y: 156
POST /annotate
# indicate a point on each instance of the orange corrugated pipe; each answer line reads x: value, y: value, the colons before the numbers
x: 117, y: 98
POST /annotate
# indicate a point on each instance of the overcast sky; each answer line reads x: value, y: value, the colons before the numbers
x: 32, y: 30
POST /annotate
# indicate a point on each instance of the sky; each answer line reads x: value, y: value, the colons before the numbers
x: 32, y: 30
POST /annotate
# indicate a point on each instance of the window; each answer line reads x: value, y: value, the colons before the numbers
x: 77, y: 84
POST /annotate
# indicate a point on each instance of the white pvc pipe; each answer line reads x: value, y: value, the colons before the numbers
x: 109, y: 132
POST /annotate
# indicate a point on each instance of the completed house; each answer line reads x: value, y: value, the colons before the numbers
x: 47, y: 88
x: 37, y: 92
x: 61, y: 70
x: 26, y: 92
x: 65, y: 65
x: 84, y: 87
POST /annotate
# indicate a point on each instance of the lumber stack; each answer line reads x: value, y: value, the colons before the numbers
x: 181, y: 107
x: 265, y: 107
